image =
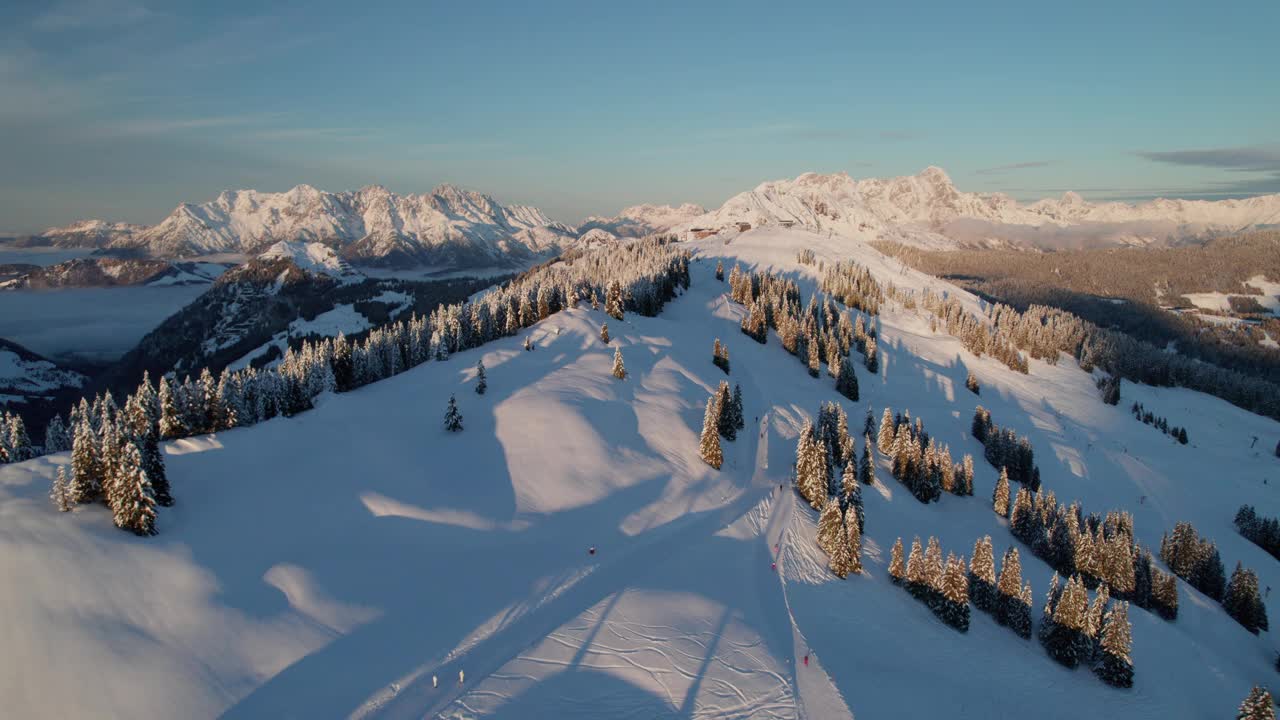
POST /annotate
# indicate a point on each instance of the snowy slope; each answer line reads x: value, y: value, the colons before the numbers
x: 370, y: 225
x: 24, y: 373
x: 927, y: 210
x: 329, y: 564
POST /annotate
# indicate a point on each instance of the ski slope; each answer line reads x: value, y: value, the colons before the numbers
x: 330, y: 564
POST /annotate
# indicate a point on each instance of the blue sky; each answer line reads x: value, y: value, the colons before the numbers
x: 121, y: 109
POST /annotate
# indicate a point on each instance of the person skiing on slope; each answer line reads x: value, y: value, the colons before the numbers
x: 806, y: 660
x: 435, y: 682
x: 773, y: 566
x: 591, y: 550
x: 461, y: 677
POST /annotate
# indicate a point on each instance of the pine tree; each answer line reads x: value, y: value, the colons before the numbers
x: 866, y: 471
x: 852, y: 492
x: 153, y: 466
x: 847, y: 380
x: 728, y: 427
x: 1115, y: 667
x: 739, y: 420
x: 1008, y: 587
x: 709, y: 444
x: 482, y: 381
x: 131, y: 500
x: 1068, y: 642
x: 982, y: 575
x: 172, y: 423
x: 55, y: 436
x: 1020, y: 615
x: 897, y: 568
x: 720, y: 356
x: 19, y: 443
x: 619, y: 370
x: 955, y: 594
x: 86, y: 464
x: 842, y: 555
x: 971, y: 383
x: 887, y: 433
x: 811, y: 467
x: 814, y: 362
x: 1000, y: 499
x: 915, y: 568
x: 720, y: 270
x: 1243, y: 601
x: 452, y: 418
x: 829, y: 526
x: 604, y: 333
x: 60, y: 493
x: 1258, y: 706
x: 873, y: 362
x: 853, y: 528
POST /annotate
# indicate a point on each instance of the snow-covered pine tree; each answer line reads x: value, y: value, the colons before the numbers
x: 131, y: 500
x: 811, y: 467
x: 1258, y: 706
x: 915, y: 568
x: 60, y: 493
x: 955, y: 594
x: 55, y: 436
x: 613, y: 300
x: 1115, y: 666
x: 887, y: 434
x: 482, y: 381
x: 842, y: 559
x: 604, y: 333
x: 814, y: 359
x: 967, y: 475
x: 86, y: 464
x: 897, y: 568
x: 728, y: 428
x: 1020, y: 619
x: 111, y: 448
x: 873, y: 360
x: 19, y: 443
x: 1000, y: 498
x: 1093, y: 621
x: 739, y: 420
x: 619, y: 370
x: 866, y: 471
x: 847, y: 380
x: 853, y: 528
x: 1008, y: 587
x: 720, y: 270
x: 931, y: 590
x: 709, y: 443
x: 982, y: 575
x: 1068, y: 642
x: 851, y: 490
x: 452, y: 417
x: 720, y: 356
x: 829, y: 526
x: 172, y: 424
x: 1243, y: 601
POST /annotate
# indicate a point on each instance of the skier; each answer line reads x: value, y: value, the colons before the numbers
x: 591, y: 550
x: 806, y: 660
x: 773, y: 566
x: 435, y: 682
x: 461, y: 677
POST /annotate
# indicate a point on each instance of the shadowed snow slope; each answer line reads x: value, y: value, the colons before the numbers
x: 329, y: 564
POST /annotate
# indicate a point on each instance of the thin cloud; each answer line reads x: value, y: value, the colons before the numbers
x: 1242, y: 159
x: 1002, y: 169
x: 83, y: 14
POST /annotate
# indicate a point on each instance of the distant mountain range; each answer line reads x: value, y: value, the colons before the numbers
x: 927, y: 210
x: 454, y: 228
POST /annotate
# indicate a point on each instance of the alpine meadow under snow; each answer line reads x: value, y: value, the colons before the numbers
x: 562, y: 544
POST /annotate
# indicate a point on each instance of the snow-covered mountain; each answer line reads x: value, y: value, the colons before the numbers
x: 108, y: 272
x: 373, y: 225
x: 24, y: 374
x: 311, y: 256
x: 705, y: 595
x: 641, y: 220
x: 927, y: 210
x: 83, y: 234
